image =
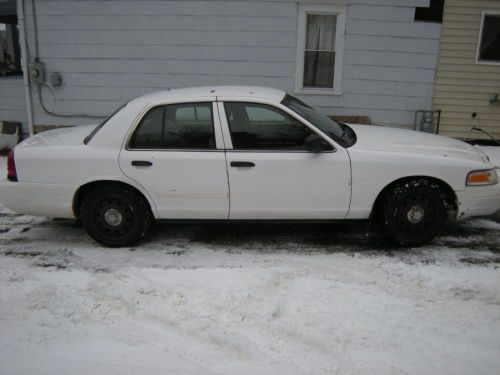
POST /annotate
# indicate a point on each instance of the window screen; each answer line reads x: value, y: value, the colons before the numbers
x: 176, y: 126
x: 319, y: 55
x: 262, y: 127
x: 489, y: 47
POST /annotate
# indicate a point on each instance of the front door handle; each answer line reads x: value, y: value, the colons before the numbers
x: 141, y: 163
x: 247, y: 164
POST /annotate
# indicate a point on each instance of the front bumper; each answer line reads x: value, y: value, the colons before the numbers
x: 51, y: 200
x: 478, y: 201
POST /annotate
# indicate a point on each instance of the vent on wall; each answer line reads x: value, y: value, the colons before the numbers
x: 432, y: 13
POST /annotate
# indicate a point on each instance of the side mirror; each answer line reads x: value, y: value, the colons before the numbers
x: 314, y: 143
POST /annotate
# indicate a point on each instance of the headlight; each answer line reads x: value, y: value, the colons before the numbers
x: 483, y: 177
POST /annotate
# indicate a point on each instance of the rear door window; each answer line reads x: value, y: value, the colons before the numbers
x: 176, y: 126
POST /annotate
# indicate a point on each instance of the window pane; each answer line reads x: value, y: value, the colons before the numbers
x: 192, y: 113
x: 262, y: 114
x: 176, y: 126
x: 10, y: 53
x: 318, y: 69
x: 149, y: 131
x: 432, y: 13
x: 189, y: 126
x: 318, y: 119
x: 320, y: 35
x: 262, y: 127
x: 490, y: 39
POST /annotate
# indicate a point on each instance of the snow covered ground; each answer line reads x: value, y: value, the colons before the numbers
x: 258, y: 299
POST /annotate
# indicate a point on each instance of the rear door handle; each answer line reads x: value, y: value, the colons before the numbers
x: 141, y: 163
x: 247, y: 164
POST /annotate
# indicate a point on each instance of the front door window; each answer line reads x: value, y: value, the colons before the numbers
x: 256, y: 126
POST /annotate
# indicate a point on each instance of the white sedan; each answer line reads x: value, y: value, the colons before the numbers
x: 245, y: 153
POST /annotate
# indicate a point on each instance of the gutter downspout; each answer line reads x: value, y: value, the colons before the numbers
x: 24, y: 63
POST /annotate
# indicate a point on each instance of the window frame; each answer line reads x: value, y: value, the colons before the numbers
x: 13, y: 21
x: 227, y: 130
x: 327, y: 10
x: 138, y: 122
x: 478, y: 45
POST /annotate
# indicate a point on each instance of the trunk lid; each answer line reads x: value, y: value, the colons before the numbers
x: 70, y: 136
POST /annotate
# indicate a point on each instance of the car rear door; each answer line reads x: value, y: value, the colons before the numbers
x: 176, y: 153
x: 271, y: 173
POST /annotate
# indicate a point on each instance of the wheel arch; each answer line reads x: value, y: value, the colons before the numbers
x: 449, y: 194
x: 84, y: 189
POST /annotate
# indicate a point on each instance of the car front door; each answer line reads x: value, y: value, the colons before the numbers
x: 176, y: 153
x: 272, y: 175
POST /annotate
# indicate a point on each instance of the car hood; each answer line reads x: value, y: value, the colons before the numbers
x: 70, y: 136
x: 387, y: 139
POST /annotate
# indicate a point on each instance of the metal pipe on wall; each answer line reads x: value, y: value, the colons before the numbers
x: 24, y: 63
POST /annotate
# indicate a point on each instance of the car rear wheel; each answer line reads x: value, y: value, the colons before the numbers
x: 414, y: 212
x: 115, y: 216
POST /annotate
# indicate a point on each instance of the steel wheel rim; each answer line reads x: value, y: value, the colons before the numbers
x: 123, y: 217
x: 416, y: 214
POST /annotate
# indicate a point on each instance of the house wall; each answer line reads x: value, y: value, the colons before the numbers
x: 12, y: 100
x: 111, y: 51
x: 463, y: 86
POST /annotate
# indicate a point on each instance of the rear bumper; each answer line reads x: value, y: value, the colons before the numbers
x: 51, y: 200
x: 478, y: 201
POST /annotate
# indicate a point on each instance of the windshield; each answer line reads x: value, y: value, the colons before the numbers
x: 96, y: 129
x: 339, y: 132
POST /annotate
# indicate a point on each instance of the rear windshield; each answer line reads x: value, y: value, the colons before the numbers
x: 98, y: 127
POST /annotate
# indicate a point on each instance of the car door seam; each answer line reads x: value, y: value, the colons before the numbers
x: 225, y: 157
x: 350, y: 183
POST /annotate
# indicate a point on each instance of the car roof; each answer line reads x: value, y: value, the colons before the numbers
x: 267, y: 93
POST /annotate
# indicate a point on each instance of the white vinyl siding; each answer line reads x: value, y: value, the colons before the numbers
x: 12, y: 99
x: 111, y: 51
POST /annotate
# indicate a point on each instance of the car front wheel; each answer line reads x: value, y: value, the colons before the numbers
x: 115, y: 216
x: 414, y: 212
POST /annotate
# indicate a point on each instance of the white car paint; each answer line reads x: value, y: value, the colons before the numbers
x: 284, y: 194
x: 185, y: 184
x: 384, y: 154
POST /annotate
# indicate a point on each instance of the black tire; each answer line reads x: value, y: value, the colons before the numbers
x: 414, y: 212
x: 115, y: 216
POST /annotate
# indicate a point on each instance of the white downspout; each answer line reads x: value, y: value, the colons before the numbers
x: 24, y: 63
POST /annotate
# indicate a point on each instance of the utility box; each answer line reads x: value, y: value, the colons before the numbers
x: 37, y: 72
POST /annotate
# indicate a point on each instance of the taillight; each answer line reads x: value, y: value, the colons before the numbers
x: 11, y: 167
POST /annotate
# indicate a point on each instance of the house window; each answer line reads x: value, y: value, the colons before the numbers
x: 10, y: 53
x: 432, y: 13
x: 488, y: 50
x: 320, y: 46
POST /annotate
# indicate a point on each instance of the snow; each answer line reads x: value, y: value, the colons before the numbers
x: 247, y: 299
